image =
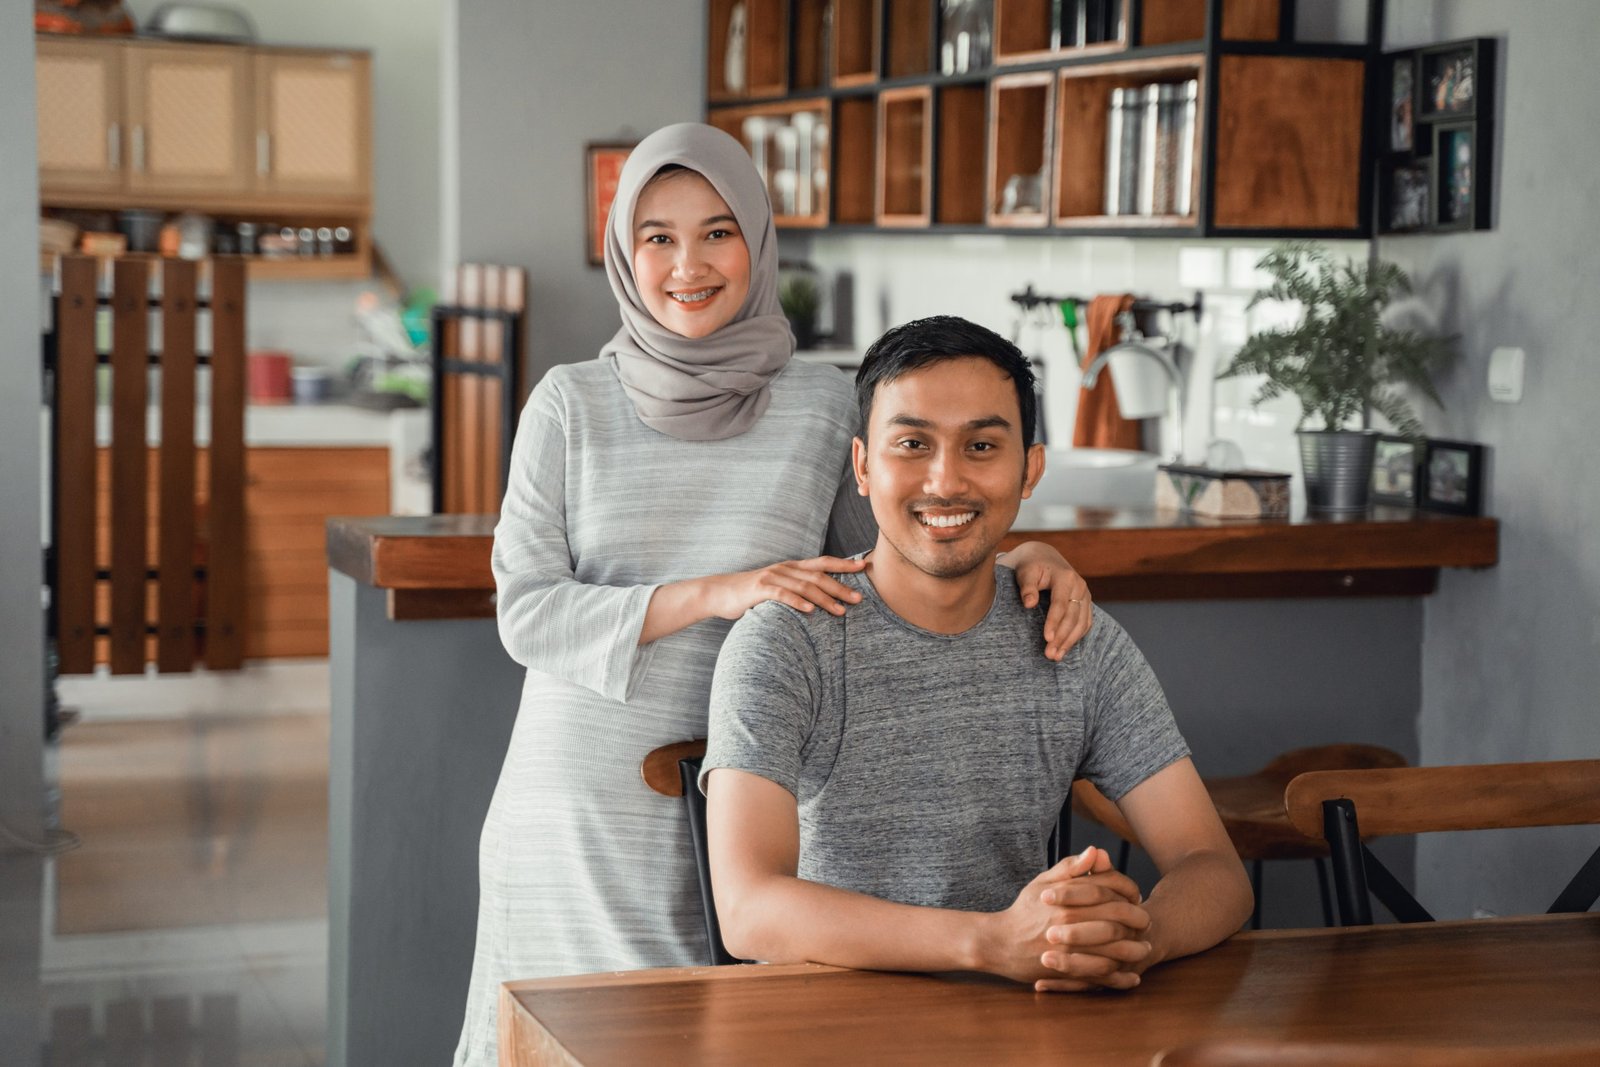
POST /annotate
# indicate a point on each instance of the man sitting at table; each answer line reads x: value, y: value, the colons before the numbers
x: 881, y: 784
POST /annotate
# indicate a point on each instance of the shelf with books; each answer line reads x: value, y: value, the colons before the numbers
x: 1128, y: 138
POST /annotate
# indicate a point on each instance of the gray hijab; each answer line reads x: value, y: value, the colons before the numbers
x: 715, y: 387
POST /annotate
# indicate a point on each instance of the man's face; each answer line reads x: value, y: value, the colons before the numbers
x: 944, y: 464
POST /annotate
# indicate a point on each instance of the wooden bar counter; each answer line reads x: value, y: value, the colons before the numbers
x: 438, y: 566
x: 1502, y: 991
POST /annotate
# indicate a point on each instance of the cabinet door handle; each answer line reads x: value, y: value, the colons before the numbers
x: 114, y: 145
x: 263, y: 152
x: 138, y: 149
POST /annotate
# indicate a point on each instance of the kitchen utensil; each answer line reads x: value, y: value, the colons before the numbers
x: 269, y: 377
x: 141, y: 228
x: 200, y: 22
x: 311, y: 384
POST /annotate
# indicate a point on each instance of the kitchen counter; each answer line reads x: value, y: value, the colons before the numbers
x: 434, y: 565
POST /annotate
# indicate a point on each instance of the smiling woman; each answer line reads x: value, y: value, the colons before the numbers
x: 689, y: 258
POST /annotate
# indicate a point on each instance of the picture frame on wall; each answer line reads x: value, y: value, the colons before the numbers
x: 1450, y: 478
x: 1402, y: 103
x: 1451, y: 75
x: 1456, y: 170
x: 602, y: 166
x: 1410, y: 196
x: 1395, y: 467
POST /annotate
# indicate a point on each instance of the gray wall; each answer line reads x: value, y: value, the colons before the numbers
x: 21, y: 624
x: 1511, y: 655
x: 537, y: 81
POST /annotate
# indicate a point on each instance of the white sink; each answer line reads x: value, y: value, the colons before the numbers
x: 1089, y: 477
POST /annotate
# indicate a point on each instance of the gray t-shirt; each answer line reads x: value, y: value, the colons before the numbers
x: 929, y: 768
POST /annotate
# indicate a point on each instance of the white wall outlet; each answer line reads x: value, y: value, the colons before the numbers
x: 1505, y: 374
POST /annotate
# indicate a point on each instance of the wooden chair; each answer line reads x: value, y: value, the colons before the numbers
x: 147, y: 559
x: 674, y: 771
x: 1346, y: 1054
x: 1252, y: 811
x: 1413, y: 800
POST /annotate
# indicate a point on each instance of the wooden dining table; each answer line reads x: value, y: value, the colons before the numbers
x: 1520, y: 986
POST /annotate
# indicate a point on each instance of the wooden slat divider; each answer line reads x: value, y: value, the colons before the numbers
x: 225, y: 614
x: 129, y: 508
x: 175, y: 639
x: 487, y: 493
x: 468, y: 458
x: 75, y: 501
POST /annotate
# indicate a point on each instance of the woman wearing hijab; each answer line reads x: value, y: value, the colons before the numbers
x: 656, y: 494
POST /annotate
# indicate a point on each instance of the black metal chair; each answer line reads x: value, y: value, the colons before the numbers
x: 1413, y: 800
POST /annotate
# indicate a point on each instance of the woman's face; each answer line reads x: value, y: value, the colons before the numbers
x: 689, y: 258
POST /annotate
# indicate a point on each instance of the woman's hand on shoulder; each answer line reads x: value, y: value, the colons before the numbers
x: 1040, y: 567
x: 802, y: 584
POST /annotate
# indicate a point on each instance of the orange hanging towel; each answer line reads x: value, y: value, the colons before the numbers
x: 1100, y: 424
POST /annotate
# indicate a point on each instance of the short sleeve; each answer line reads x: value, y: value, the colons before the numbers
x: 1130, y: 730
x: 764, y: 698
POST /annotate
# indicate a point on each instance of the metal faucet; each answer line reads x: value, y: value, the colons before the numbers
x: 1091, y: 374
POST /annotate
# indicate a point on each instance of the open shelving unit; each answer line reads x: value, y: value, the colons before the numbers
x: 1251, y: 132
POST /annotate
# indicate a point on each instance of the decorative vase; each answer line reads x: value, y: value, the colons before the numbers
x: 1338, y: 468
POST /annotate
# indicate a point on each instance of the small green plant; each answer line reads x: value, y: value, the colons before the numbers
x: 1340, y: 359
x: 799, y: 298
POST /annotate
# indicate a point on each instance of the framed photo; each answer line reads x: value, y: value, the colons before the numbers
x: 1410, y: 196
x: 602, y: 165
x: 1450, y: 79
x: 1452, y: 477
x: 1394, y: 471
x: 1402, y: 102
x: 1455, y: 172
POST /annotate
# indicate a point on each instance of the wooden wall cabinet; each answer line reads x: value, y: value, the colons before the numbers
x: 313, y: 124
x: 235, y: 132
x: 81, y: 127
x: 187, y: 109
x: 1255, y: 132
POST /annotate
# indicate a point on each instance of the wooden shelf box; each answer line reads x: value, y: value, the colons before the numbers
x: 810, y: 46
x: 963, y: 122
x: 1082, y: 123
x: 763, y: 69
x: 1174, y: 21
x: 790, y: 144
x: 905, y: 157
x: 1020, y: 106
x: 856, y: 44
x: 911, y: 38
x: 855, y: 137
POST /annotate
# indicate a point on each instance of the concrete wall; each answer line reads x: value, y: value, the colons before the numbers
x: 21, y: 623
x: 537, y: 81
x: 1511, y: 656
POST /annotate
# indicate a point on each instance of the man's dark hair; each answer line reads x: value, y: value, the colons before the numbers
x: 924, y: 342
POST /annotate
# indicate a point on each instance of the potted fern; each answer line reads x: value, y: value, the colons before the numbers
x: 1341, y: 362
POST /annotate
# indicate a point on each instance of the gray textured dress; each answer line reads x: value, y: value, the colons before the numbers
x: 581, y: 867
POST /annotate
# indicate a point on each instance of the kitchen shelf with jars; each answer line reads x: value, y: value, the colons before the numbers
x: 193, y: 149
x: 1108, y: 117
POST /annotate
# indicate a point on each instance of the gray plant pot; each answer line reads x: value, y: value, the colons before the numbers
x: 1338, y: 468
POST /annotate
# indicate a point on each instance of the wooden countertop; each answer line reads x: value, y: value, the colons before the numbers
x: 1127, y: 554
x: 1498, y: 991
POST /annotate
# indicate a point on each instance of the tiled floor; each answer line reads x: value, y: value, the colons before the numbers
x: 190, y: 928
